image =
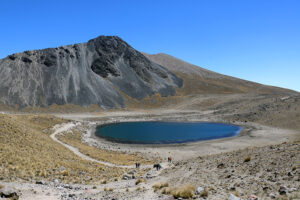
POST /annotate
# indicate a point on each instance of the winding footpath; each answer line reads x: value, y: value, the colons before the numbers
x: 65, y: 127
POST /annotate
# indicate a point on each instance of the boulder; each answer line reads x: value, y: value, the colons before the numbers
x: 61, y: 168
x: 272, y: 195
x: 126, y: 177
x: 40, y: 182
x: 56, y: 181
x: 199, y: 190
x: 8, y: 192
x: 283, y: 190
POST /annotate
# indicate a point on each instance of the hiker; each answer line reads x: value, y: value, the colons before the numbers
x: 157, y: 166
x: 137, y: 165
x: 170, y: 159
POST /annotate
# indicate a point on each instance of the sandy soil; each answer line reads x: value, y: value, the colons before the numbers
x: 261, y: 160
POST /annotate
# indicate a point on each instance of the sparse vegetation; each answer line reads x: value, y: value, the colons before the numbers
x: 140, y: 180
x: 186, y: 191
x: 159, y: 186
x: 73, y: 138
x: 204, y: 193
x: 294, y: 196
x: 108, y: 189
x: 235, y: 193
x: 27, y: 152
x: 247, y: 159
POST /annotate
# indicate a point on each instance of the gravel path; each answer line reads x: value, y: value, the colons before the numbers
x: 65, y: 127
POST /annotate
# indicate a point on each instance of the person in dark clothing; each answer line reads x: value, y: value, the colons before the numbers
x: 157, y: 166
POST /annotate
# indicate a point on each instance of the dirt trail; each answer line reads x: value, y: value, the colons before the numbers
x: 65, y: 127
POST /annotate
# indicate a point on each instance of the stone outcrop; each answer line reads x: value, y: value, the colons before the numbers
x: 98, y: 72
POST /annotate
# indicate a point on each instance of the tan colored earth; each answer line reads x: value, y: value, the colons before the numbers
x: 263, y: 160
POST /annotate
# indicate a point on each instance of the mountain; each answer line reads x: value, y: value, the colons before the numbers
x: 108, y: 72
x: 101, y: 72
x: 198, y: 80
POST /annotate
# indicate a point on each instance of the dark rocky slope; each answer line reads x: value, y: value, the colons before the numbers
x: 97, y: 72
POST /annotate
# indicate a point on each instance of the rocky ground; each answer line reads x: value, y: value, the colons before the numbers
x: 263, y: 161
x: 270, y: 172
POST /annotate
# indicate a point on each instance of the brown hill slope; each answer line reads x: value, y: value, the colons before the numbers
x: 198, y: 80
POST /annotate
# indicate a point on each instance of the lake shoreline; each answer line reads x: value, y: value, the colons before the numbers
x: 165, y: 132
x: 252, y: 135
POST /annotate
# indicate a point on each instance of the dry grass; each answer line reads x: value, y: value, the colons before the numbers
x: 294, y: 196
x: 247, y: 159
x: 74, y: 139
x: 66, y: 108
x: 27, y: 152
x: 158, y: 186
x: 140, y: 180
x: 204, y: 193
x: 186, y: 191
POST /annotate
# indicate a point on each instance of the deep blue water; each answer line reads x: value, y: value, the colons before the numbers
x: 165, y: 132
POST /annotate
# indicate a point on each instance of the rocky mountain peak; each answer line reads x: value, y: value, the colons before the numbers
x: 88, y: 73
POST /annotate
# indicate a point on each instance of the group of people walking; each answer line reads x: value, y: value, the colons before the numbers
x: 137, y: 165
x: 157, y: 166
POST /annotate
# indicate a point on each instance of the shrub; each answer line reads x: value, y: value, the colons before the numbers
x: 157, y: 186
x: 64, y: 173
x: 235, y: 193
x: 140, y: 180
x: 204, y: 193
x: 166, y: 190
x: 247, y: 159
x: 211, y: 188
x: 108, y: 189
x: 187, y: 191
x: 104, y: 181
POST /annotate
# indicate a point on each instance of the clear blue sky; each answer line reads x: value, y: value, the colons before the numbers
x: 257, y: 40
